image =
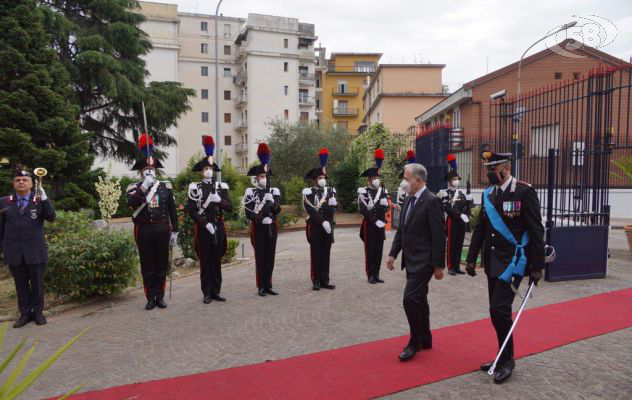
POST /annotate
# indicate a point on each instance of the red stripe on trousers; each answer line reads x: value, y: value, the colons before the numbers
x: 449, y: 223
x: 366, y: 254
x: 311, y: 259
x: 254, y: 246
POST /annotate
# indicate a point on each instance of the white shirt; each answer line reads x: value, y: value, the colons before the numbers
x: 504, y: 186
x: 417, y: 195
x: 419, y: 192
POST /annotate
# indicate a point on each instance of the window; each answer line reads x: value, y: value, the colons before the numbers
x: 304, y: 117
x: 285, y: 43
x: 576, y: 75
x: 226, y: 31
x: 226, y: 94
x: 286, y: 114
x: 543, y: 138
x: 228, y: 140
x: 204, y: 117
x: 363, y: 66
x: 227, y: 72
x: 227, y: 50
x: 303, y: 96
x: 317, y: 104
x: 204, y: 94
x: 343, y: 105
x: 204, y: 71
x: 285, y: 67
x: 285, y: 90
x: 227, y: 118
x: 204, y: 48
x: 558, y: 75
x: 204, y: 26
x: 342, y: 86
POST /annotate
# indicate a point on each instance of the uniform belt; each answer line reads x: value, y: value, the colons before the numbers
x: 142, y: 221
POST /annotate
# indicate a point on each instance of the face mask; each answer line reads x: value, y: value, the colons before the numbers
x: 405, y: 186
x: 456, y: 183
x: 208, y: 173
x: 495, y: 178
x: 322, y: 183
x: 375, y: 183
x: 149, y: 172
x: 262, y: 182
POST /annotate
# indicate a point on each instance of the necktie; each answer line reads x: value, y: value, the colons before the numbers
x: 411, y: 204
x: 22, y: 204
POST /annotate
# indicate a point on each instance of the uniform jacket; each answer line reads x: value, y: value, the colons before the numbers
x: 422, y: 239
x: 214, y: 212
x: 371, y: 208
x: 519, y: 208
x: 455, y: 203
x: 252, y: 200
x: 22, y: 232
x: 161, y: 209
x: 314, y: 197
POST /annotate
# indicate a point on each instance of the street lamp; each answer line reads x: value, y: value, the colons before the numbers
x: 218, y: 144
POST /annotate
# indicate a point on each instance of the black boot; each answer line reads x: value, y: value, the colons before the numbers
x: 372, y: 280
x: 262, y: 292
x: 316, y: 286
x: 151, y: 304
x: 272, y: 292
x: 160, y: 301
x: 207, y: 299
x: 218, y: 298
x: 23, y: 320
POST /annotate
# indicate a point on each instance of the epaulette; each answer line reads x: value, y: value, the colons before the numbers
x: 248, y: 192
x: 334, y: 189
x: 386, y: 190
x: 307, y: 191
x: 524, y: 183
x: 361, y: 190
x: 223, y: 185
x: 193, y: 185
x: 275, y: 192
x: 168, y: 185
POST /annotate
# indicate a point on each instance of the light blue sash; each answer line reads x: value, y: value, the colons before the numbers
x: 519, y: 260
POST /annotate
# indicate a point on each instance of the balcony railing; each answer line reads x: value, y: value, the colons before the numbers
x: 241, y: 99
x: 240, y: 78
x: 241, y: 124
x: 345, y: 91
x: 241, y: 148
x: 305, y: 100
x: 346, y: 112
x: 307, y: 77
x: 307, y: 54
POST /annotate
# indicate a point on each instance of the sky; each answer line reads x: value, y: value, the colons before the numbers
x: 471, y: 37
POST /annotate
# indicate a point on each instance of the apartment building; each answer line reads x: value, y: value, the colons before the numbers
x: 341, y: 82
x: 266, y: 71
x: 398, y: 92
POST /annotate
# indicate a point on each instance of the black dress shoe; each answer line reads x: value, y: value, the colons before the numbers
x: 272, y: 292
x: 328, y: 286
x: 458, y: 271
x: 487, y: 366
x: 316, y: 286
x: 218, y: 298
x: 207, y: 299
x: 150, y: 305
x: 161, y: 303
x: 408, y: 353
x: 23, y: 320
x: 372, y: 280
x: 40, y: 319
x: 503, y: 373
x: 451, y: 272
x: 262, y: 292
x: 426, y: 346
x: 379, y: 280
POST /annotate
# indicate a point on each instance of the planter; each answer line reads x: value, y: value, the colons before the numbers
x: 628, y: 233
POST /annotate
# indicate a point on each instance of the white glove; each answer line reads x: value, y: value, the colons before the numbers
x: 380, y: 224
x: 148, y: 182
x: 174, y: 238
x: 210, y: 228
x: 215, y: 198
x: 43, y: 194
x: 384, y: 202
x: 268, y: 197
x: 327, y: 226
x: 369, y: 207
x: 267, y: 221
x: 465, y: 218
x: 333, y: 202
x: 469, y: 197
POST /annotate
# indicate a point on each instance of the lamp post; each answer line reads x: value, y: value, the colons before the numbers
x: 515, y: 138
x: 218, y: 144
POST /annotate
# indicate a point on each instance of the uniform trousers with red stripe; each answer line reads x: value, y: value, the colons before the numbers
x: 153, y: 249
x: 373, y: 248
x: 210, y: 250
x: 455, y: 231
x: 319, y: 251
x: 263, y: 239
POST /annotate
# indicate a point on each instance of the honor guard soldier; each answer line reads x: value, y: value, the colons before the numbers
x: 208, y: 200
x: 404, y: 186
x: 23, y: 243
x: 319, y: 201
x: 262, y: 205
x: 511, y: 235
x: 155, y: 223
x: 373, y: 202
x: 457, y: 207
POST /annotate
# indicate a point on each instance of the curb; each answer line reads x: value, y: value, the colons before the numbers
x: 293, y: 229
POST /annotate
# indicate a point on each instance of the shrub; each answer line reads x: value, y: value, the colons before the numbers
x: 109, y: 190
x: 231, y: 250
x: 123, y: 209
x: 345, y: 179
x: 186, y: 226
x: 84, y: 262
x: 294, y: 195
x: 474, y: 216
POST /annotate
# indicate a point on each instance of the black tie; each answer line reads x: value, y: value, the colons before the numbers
x: 411, y: 204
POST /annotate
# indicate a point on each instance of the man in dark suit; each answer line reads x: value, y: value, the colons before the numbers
x: 22, y: 241
x: 518, y: 207
x: 421, y: 238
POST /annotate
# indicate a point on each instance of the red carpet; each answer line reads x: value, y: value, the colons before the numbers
x: 371, y: 369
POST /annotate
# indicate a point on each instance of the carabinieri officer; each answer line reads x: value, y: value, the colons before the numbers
x: 510, y: 225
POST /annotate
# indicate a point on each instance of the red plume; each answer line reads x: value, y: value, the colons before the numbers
x: 145, y: 140
x: 206, y: 140
x: 379, y: 154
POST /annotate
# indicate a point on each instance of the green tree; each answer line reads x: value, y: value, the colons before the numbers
x: 38, y: 122
x: 363, y: 148
x: 101, y: 45
x: 346, y: 183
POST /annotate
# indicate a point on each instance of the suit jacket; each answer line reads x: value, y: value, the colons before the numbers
x: 22, y: 231
x: 519, y: 208
x: 422, y: 238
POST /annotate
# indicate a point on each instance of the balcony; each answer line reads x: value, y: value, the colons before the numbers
x: 346, y: 112
x: 305, y: 100
x: 241, y: 78
x: 306, y: 54
x: 241, y: 100
x: 241, y: 148
x: 241, y: 124
x: 345, y: 91
x: 242, y: 52
x: 306, y: 79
